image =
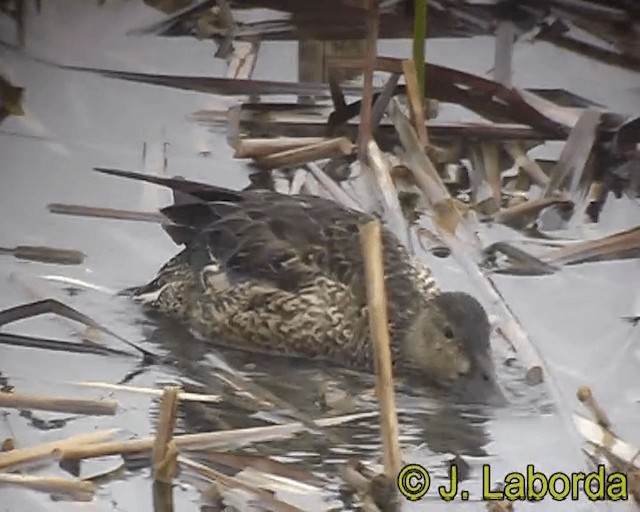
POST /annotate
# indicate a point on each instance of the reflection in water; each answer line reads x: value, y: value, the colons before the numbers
x: 298, y: 388
x: 458, y: 430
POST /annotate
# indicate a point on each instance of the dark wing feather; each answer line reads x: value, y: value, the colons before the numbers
x: 200, y: 190
x: 285, y: 240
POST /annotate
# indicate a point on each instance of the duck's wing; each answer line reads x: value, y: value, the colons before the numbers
x: 284, y: 240
x: 271, y: 237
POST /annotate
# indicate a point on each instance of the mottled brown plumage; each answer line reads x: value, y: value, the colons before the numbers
x: 284, y: 275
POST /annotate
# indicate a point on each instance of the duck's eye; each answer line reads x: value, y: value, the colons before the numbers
x: 448, y: 332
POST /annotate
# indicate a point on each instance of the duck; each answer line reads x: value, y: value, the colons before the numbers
x: 283, y: 275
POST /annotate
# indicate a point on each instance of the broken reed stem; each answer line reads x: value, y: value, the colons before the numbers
x: 22, y: 455
x: 339, y: 146
x: 165, y: 470
x: 165, y: 451
x: 372, y: 25
x: 586, y: 397
x: 67, y: 405
x: 78, y: 489
x: 371, y: 244
x: 419, y: 36
x: 254, y: 148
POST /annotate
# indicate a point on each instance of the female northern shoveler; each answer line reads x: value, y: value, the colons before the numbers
x: 284, y: 275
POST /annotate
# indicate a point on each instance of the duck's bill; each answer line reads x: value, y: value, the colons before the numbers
x: 481, y: 386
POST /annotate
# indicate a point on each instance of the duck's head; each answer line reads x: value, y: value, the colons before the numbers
x: 448, y: 346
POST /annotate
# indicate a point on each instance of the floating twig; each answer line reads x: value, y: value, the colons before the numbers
x: 78, y: 489
x: 586, y: 397
x: 524, y: 213
x: 182, y: 395
x: 59, y: 308
x: 20, y: 340
x: 44, y: 254
x: 105, y: 213
x: 68, y: 405
x: 22, y: 455
x: 204, y: 440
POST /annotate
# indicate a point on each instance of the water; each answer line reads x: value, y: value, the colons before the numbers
x: 75, y: 121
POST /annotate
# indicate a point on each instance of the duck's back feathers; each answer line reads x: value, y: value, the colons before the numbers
x: 274, y: 257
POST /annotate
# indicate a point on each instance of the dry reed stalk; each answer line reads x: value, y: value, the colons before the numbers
x: 164, y: 448
x: 423, y: 170
x: 78, y: 489
x: 391, y: 204
x: 372, y: 26
x: 339, y: 146
x: 529, y: 209
x: 22, y: 455
x: 371, y: 244
x: 623, y: 241
x: 201, y: 440
x: 575, y: 153
x: 448, y: 218
x: 586, y: 397
x: 182, y: 395
x: 57, y: 404
x: 105, y: 213
x: 491, y: 163
x: 527, y: 164
x: 338, y: 194
x: 45, y: 254
x: 255, y: 148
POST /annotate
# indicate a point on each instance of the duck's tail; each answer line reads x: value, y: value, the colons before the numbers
x: 195, y: 189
